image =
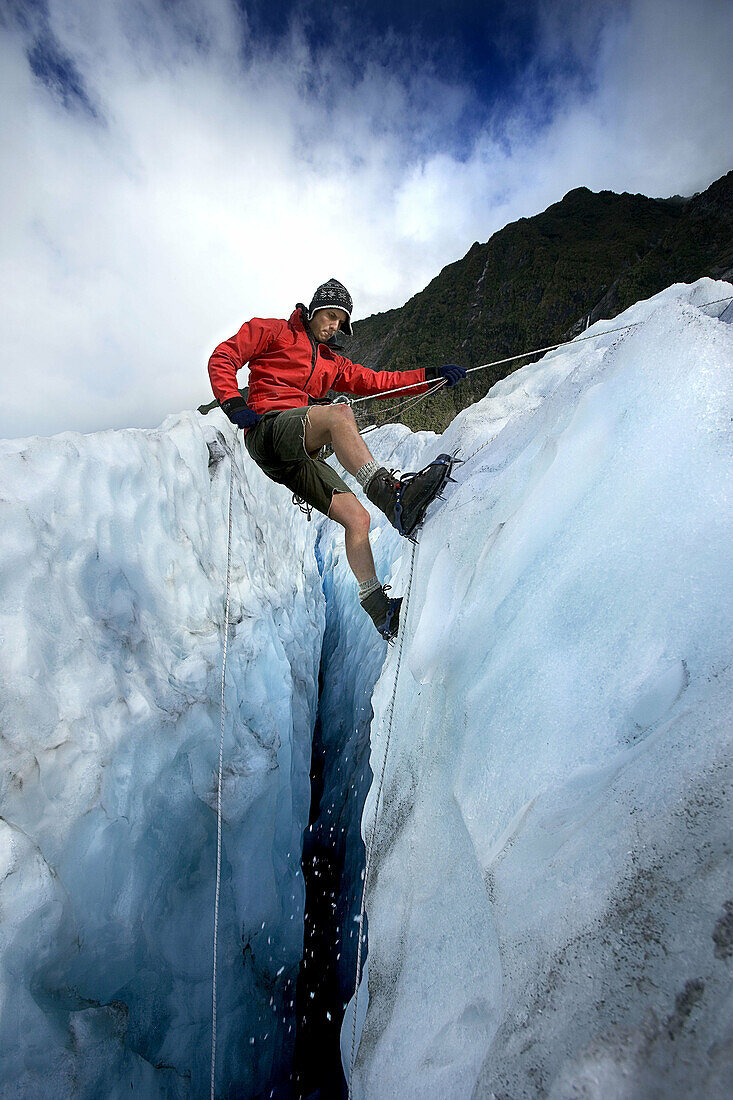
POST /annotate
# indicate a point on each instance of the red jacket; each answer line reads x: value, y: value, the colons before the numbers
x: 287, y: 367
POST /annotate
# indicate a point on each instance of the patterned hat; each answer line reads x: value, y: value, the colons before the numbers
x: 333, y: 293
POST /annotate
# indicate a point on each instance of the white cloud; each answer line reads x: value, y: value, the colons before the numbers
x: 210, y: 190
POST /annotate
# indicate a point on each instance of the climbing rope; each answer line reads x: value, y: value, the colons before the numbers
x: 537, y: 351
x: 218, y: 785
x: 402, y: 407
x: 373, y: 831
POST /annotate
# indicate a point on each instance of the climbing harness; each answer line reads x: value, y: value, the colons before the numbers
x: 373, y: 831
x: 395, y: 412
x: 219, y: 779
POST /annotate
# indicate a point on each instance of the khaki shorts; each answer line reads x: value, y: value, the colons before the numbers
x: 277, y: 445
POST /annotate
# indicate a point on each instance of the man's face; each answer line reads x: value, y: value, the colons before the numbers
x: 326, y: 322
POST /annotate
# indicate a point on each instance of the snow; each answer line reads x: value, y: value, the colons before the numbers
x: 549, y: 907
x: 113, y: 554
x: 551, y: 867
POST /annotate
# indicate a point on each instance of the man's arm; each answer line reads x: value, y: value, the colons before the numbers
x: 354, y: 378
x: 253, y: 338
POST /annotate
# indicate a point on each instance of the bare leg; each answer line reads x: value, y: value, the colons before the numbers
x: 335, y: 424
x: 354, y: 518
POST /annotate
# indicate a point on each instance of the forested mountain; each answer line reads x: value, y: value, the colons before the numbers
x: 538, y: 280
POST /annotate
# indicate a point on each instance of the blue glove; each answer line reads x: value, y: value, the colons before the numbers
x: 452, y: 373
x: 240, y: 413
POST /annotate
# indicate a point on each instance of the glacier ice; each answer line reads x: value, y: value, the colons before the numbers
x: 113, y: 550
x: 551, y: 867
x: 549, y: 913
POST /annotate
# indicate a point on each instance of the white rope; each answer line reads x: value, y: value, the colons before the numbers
x: 218, y: 785
x: 539, y: 351
x: 398, y: 409
x: 373, y: 831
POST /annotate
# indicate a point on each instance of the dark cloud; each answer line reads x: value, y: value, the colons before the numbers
x: 59, y: 74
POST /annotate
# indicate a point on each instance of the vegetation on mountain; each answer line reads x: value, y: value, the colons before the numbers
x: 539, y: 280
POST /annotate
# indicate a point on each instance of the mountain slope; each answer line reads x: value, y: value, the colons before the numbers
x: 698, y: 244
x: 537, y: 280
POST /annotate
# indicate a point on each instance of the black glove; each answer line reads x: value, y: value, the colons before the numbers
x: 240, y: 413
x: 452, y: 373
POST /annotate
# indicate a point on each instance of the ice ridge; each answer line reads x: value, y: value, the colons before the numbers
x: 551, y: 883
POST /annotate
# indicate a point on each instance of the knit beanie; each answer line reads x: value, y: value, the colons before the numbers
x: 333, y: 293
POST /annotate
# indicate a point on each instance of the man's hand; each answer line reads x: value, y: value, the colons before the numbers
x: 240, y: 413
x: 451, y: 372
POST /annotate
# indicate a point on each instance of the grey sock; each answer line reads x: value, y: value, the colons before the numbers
x: 366, y: 472
x: 367, y: 587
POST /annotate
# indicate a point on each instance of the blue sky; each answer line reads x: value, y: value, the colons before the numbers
x: 172, y: 169
x: 481, y: 46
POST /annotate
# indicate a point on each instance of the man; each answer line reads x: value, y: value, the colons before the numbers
x: 287, y: 419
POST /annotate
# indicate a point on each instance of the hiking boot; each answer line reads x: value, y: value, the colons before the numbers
x: 406, y: 501
x: 384, y: 611
x: 382, y: 492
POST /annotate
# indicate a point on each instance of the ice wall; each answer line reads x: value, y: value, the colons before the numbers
x: 112, y: 567
x: 550, y: 913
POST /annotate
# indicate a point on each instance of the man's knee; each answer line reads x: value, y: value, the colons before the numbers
x: 352, y: 515
x: 342, y: 416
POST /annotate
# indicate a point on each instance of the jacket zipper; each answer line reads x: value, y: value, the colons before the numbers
x: 314, y: 356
